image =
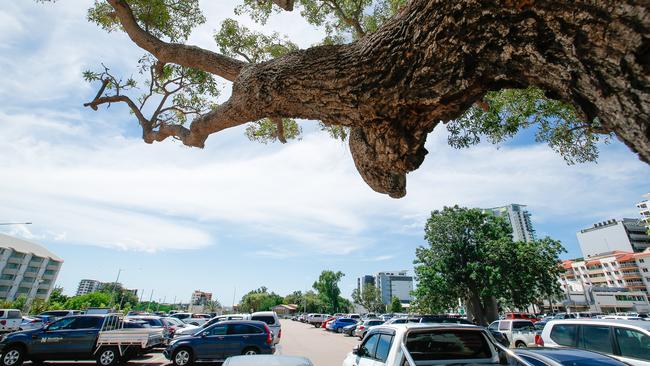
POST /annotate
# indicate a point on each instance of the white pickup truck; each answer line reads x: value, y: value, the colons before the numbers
x: 10, y: 320
x: 316, y: 319
x: 521, y: 333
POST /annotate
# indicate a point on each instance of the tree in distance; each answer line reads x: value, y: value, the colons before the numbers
x: 471, y: 256
x: 387, y: 72
x: 369, y: 298
x: 328, y: 289
x: 395, y: 305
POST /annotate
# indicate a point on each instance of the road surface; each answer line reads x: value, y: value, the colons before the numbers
x: 321, y: 347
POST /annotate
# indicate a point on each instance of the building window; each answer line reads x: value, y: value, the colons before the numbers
x: 7, y: 277
x: 645, y: 270
x: 12, y: 265
x: 641, y: 260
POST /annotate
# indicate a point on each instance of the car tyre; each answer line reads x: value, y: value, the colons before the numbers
x: 182, y: 357
x: 520, y: 344
x: 250, y: 351
x: 339, y: 330
x: 108, y: 356
x: 13, y: 356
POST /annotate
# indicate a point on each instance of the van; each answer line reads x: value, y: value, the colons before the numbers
x: 10, y: 320
x: 271, y: 319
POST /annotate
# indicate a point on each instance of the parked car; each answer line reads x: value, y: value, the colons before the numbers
x: 349, y: 329
x: 626, y: 340
x: 564, y: 316
x: 220, y: 341
x: 152, y: 321
x: 272, y: 321
x: 403, y: 320
x: 173, y: 324
x: 565, y: 356
x: 364, y: 327
x: 524, y: 316
x: 52, y: 315
x: 191, y: 329
x: 267, y: 360
x: 354, y: 316
x: 442, y: 319
x: 78, y: 337
x: 10, y: 320
x: 427, y: 344
x: 327, y: 321
x: 317, y: 319
x: 29, y: 323
x: 520, y: 333
x: 191, y: 318
x: 337, y: 324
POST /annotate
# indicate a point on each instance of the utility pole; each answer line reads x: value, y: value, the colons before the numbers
x: 234, y: 293
x: 150, y: 298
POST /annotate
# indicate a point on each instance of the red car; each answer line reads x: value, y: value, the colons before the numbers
x: 526, y: 316
x: 324, y: 324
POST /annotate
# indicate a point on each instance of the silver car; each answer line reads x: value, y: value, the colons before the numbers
x: 363, y: 328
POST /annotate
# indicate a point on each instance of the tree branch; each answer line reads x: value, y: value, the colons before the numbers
x: 184, y: 55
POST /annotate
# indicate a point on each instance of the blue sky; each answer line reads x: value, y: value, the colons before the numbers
x: 239, y: 215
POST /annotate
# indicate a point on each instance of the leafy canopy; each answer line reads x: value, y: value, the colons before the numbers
x: 369, y: 297
x: 172, y: 94
x: 471, y: 256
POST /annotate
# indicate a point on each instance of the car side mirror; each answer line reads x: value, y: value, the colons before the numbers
x: 205, y: 334
x: 356, y: 351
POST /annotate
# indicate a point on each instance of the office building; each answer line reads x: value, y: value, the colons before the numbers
x: 87, y: 286
x: 625, y: 235
x: 364, y: 281
x: 519, y: 220
x: 394, y: 283
x: 644, y: 210
x: 26, y: 269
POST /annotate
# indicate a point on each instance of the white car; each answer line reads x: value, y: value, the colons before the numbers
x: 191, y: 318
x: 10, y: 320
x: 428, y: 344
x: 192, y: 329
x: 520, y: 333
x: 29, y: 323
x: 272, y: 321
x: 626, y: 340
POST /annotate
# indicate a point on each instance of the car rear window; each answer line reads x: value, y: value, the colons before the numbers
x: 448, y: 344
x: 375, y: 322
x: 564, y: 334
x: 597, y: 338
x: 268, y: 319
x: 14, y: 314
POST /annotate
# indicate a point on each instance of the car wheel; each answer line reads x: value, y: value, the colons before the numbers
x: 520, y: 344
x: 250, y: 351
x: 182, y: 357
x: 339, y: 330
x: 13, y: 356
x: 107, y: 357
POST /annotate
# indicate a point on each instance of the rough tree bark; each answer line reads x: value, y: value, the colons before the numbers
x: 427, y: 65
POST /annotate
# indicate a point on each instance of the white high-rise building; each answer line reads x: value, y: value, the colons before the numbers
x: 26, y: 269
x: 625, y: 235
x: 519, y: 219
x: 644, y: 210
x: 88, y: 286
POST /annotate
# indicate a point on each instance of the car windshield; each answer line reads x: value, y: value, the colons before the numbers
x: 448, y: 344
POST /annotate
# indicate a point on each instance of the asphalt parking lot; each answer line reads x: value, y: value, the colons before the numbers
x: 321, y: 347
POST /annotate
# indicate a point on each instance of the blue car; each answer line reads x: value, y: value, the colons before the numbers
x: 338, y: 324
x: 220, y: 341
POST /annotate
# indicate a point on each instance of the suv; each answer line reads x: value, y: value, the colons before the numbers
x: 10, y: 320
x: 271, y: 319
x: 627, y: 340
x: 220, y: 341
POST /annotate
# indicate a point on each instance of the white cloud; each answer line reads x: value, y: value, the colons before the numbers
x: 86, y: 178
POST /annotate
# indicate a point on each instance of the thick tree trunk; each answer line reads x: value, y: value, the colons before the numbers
x: 434, y: 60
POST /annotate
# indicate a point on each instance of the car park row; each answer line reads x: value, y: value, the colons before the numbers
x: 563, y: 339
x: 386, y: 340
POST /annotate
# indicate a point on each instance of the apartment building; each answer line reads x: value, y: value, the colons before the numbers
x: 518, y: 218
x: 87, y: 286
x: 26, y: 269
x: 618, y: 269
